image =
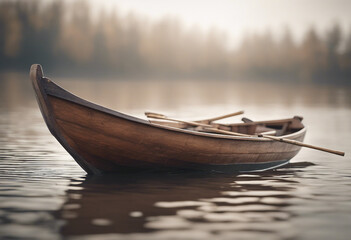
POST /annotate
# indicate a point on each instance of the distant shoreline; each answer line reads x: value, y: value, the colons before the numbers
x: 96, y: 76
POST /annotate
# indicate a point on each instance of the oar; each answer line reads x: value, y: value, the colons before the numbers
x: 163, y: 117
x: 206, y: 126
x: 280, y: 139
x: 209, y: 120
x: 211, y: 128
x: 294, y: 142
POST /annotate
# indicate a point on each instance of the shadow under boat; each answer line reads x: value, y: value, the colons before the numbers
x: 130, y: 203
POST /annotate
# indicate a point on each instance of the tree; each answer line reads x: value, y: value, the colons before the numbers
x: 312, y: 55
x: 287, y: 54
x: 345, y: 61
x: 333, y: 39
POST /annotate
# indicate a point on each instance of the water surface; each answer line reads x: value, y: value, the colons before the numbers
x: 44, y: 194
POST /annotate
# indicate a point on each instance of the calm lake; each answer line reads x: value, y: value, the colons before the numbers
x: 44, y: 194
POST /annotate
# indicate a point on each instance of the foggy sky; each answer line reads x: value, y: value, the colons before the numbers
x: 237, y: 17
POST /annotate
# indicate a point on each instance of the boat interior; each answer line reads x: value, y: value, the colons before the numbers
x: 279, y: 127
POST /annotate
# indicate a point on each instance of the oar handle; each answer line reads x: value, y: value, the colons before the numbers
x: 294, y: 142
x: 221, y: 117
x: 155, y: 115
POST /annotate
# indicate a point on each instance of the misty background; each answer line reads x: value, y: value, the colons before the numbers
x: 82, y: 38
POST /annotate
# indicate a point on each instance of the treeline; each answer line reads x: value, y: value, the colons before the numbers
x: 68, y: 37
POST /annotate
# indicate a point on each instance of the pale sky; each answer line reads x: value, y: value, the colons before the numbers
x: 237, y: 17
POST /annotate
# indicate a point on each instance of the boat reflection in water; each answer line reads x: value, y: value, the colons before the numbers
x: 180, y: 205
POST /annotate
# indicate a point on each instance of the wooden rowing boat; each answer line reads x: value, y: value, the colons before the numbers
x: 102, y: 140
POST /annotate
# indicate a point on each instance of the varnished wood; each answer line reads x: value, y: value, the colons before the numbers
x: 102, y: 140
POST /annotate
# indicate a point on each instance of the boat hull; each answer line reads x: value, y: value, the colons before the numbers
x: 102, y: 140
